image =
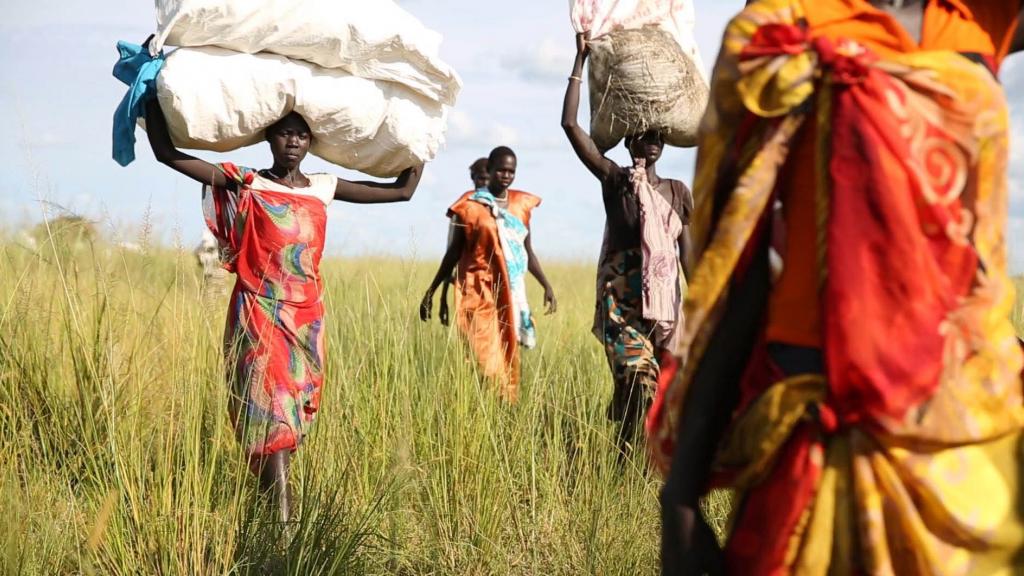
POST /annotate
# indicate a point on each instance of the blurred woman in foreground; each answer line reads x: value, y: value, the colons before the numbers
x: 867, y: 406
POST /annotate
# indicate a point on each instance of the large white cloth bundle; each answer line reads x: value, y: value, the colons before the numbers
x: 372, y: 39
x: 221, y: 100
x: 645, y: 70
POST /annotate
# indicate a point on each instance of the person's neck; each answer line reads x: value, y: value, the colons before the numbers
x: 291, y: 176
x: 652, y: 174
x: 500, y: 195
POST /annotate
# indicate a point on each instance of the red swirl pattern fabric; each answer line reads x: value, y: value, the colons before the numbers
x: 274, y: 337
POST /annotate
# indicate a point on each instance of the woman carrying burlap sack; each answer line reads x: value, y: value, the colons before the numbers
x: 270, y: 226
x: 645, y: 242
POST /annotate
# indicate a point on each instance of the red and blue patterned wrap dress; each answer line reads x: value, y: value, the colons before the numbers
x: 273, y: 339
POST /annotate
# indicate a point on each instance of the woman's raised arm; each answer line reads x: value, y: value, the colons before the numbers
x: 160, y: 141
x: 582, y: 143
x: 401, y: 190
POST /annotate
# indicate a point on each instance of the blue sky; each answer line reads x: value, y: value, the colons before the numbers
x: 57, y: 98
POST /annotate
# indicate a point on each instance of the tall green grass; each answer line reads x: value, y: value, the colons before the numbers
x: 116, y: 456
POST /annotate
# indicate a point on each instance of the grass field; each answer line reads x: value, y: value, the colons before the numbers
x: 116, y: 456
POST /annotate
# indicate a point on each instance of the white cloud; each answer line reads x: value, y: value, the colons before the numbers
x: 428, y: 179
x: 460, y: 126
x: 1015, y: 229
x: 463, y: 130
x: 502, y: 135
x: 547, y: 60
x: 47, y: 138
x: 82, y: 15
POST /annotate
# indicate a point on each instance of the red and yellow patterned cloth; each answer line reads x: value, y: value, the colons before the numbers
x: 904, y: 458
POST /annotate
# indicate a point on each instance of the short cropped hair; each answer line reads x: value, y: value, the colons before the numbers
x: 499, y: 152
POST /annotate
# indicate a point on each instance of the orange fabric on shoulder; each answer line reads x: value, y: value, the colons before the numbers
x: 522, y: 204
x: 982, y: 26
x: 985, y: 27
x: 483, y: 301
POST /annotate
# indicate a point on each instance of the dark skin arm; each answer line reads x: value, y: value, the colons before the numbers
x: 166, y: 153
x: 160, y: 141
x: 584, y: 146
x: 533, y: 264
x: 444, y: 272
x: 451, y: 259
x: 442, y: 310
x: 686, y: 253
x: 401, y: 190
x: 367, y: 192
x: 684, y: 244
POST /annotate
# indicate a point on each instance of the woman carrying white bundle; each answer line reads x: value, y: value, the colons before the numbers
x: 270, y: 226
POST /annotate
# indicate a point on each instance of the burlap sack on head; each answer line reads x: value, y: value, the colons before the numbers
x: 639, y: 80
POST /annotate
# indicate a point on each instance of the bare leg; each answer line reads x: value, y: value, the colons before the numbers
x: 688, y: 544
x: 274, y: 480
x: 626, y: 440
x: 632, y: 403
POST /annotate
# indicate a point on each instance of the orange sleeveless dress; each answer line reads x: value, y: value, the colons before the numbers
x: 483, y: 300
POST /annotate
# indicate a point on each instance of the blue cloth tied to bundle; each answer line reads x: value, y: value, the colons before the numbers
x: 138, y: 70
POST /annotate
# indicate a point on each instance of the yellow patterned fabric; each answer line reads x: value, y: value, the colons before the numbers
x: 884, y: 508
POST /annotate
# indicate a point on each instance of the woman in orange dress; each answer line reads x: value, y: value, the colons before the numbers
x: 492, y: 247
x: 866, y: 407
